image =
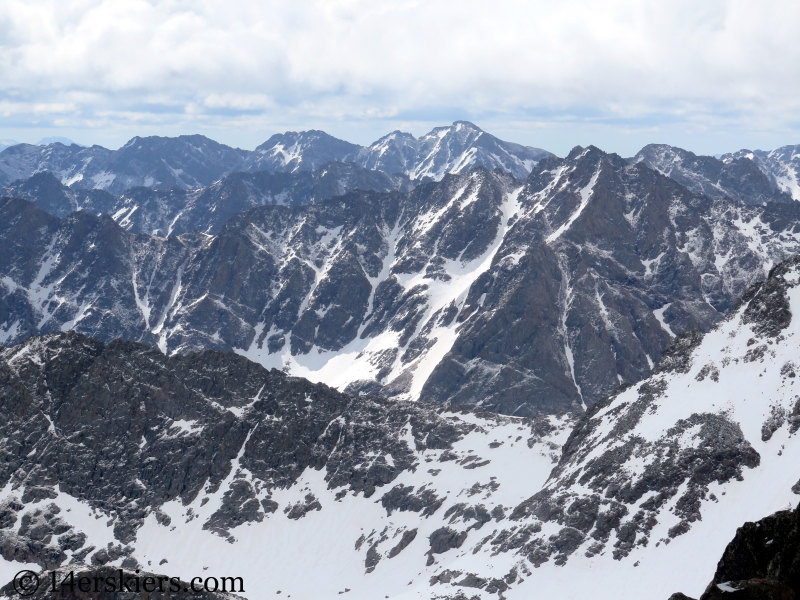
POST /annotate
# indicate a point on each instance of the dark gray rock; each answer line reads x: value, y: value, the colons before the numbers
x: 444, y: 539
x: 126, y: 429
x: 767, y: 304
x: 761, y: 562
x: 301, y: 509
x: 72, y: 541
x: 781, y: 166
x: 408, y: 536
x: 20, y: 548
x: 8, y: 511
x: 239, y: 505
x: 403, y: 498
x: 578, y: 297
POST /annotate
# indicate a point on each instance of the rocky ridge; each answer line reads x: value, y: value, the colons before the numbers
x: 185, y: 162
x: 741, y: 176
x: 689, y: 453
x: 453, y: 149
x: 116, y: 455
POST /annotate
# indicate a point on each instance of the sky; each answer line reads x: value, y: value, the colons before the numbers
x: 711, y: 76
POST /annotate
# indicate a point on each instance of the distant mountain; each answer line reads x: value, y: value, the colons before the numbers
x: 453, y: 149
x: 193, y: 161
x: 393, y: 153
x: 781, y: 166
x: 47, y: 192
x: 739, y: 176
x: 304, y: 151
x: 342, y: 383
x: 174, y: 211
x: 46, y: 141
x: 184, y: 162
x: 7, y: 144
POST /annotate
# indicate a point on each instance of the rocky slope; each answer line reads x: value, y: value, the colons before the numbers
x: 453, y: 149
x: 477, y: 290
x: 653, y: 482
x: 117, y: 453
x: 303, y: 151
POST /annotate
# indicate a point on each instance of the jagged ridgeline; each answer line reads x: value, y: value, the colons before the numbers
x: 115, y: 454
x: 194, y: 161
x: 476, y: 290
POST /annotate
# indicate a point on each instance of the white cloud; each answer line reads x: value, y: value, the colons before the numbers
x: 254, y: 65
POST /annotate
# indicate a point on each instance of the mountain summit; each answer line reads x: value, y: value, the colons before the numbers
x: 452, y: 149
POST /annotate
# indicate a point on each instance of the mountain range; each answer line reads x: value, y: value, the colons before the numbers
x: 439, y: 367
x: 477, y: 290
x: 194, y: 161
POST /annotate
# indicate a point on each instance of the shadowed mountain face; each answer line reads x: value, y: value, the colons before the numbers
x: 761, y: 562
x: 605, y: 262
x: 477, y: 290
